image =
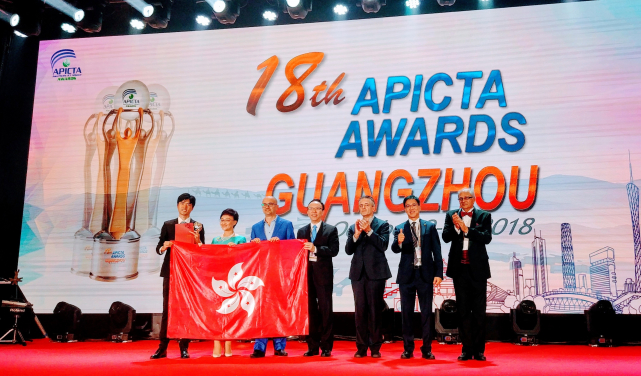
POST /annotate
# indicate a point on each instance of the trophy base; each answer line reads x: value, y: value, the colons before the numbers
x: 79, y: 272
x: 113, y: 279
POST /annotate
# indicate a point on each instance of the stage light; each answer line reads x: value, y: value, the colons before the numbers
x: 340, y: 9
x: 446, y: 3
x: 68, y: 28
x: 144, y: 8
x: 137, y: 24
x: 202, y: 20
x: 446, y: 323
x: 269, y: 15
x: 225, y: 11
x: 66, y: 319
x: 66, y: 8
x: 526, y: 323
x: 14, y: 20
x: 160, y: 14
x: 92, y: 22
x: 371, y: 6
x: 298, y: 9
x: 412, y: 4
x: 600, y: 319
x: 16, y: 32
x: 121, y: 321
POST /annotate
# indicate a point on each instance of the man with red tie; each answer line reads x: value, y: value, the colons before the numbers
x: 469, y: 229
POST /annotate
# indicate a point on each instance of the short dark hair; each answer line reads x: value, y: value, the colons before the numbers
x: 230, y: 212
x: 186, y: 196
x: 411, y: 197
x: 319, y: 201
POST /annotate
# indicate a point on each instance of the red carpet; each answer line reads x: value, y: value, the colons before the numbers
x: 112, y: 359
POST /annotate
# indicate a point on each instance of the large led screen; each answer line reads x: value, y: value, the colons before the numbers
x: 537, y: 109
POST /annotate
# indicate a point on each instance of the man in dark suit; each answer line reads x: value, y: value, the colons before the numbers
x: 322, y: 244
x: 421, y: 268
x: 186, y: 203
x: 274, y: 229
x: 469, y: 229
x: 367, y: 240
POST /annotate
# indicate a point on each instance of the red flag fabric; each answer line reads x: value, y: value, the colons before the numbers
x: 253, y: 290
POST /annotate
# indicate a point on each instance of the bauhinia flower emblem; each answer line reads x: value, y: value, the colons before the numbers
x: 237, y: 294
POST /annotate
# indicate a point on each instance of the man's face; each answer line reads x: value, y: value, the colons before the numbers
x: 315, y: 211
x: 466, y: 201
x: 366, y: 207
x: 412, y: 209
x: 270, y: 206
x: 184, y: 208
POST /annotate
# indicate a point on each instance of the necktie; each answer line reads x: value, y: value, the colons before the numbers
x: 415, y: 240
x: 313, y: 233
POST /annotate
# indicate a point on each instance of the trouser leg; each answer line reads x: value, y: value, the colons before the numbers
x: 425, y: 292
x: 375, y: 289
x: 360, y: 314
x: 408, y: 298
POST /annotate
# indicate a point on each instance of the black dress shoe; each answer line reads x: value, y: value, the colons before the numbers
x: 429, y: 356
x: 257, y: 354
x: 280, y: 353
x: 376, y: 354
x: 311, y: 353
x: 326, y: 353
x: 480, y: 356
x: 359, y: 354
x: 407, y: 355
x: 159, y: 354
x: 464, y: 356
x: 184, y: 354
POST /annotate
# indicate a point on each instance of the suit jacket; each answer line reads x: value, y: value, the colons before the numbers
x: 431, y: 259
x: 168, y: 233
x: 369, y: 252
x: 283, y: 230
x: 479, y: 234
x: 327, y: 245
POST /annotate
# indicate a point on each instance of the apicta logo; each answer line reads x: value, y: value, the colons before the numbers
x: 61, y: 65
x: 129, y: 99
x: 116, y: 256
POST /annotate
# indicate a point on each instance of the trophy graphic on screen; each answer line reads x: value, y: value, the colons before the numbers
x: 147, y: 204
x: 83, y: 238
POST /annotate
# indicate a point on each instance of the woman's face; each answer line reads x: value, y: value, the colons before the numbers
x: 227, y: 222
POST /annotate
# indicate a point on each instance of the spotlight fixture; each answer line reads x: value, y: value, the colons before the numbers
x: 600, y: 319
x: 526, y: 323
x: 446, y: 323
x: 159, y: 18
x: 68, y: 28
x: 412, y: 4
x: 141, y: 6
x: 269, y: 15
x: 446, y: 3
x: 202, y: 20
x: 79, y: 15
x: 121, y: 321
x: 92, y: 22
x: 340, y: 9
x: 225, y: 11
x: 66, y: 319
x: 16, y: 32
x: 298, y: 9
x: 137, y: 24
x: 371, y: 6
x: 14, y: 20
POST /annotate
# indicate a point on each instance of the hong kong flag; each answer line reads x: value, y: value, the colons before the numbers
x: 242, y: 292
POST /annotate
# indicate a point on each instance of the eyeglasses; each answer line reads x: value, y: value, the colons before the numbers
x: 268, y: 204
x: 411, y: 206
x: 465, y: 198
x: 315, y: 209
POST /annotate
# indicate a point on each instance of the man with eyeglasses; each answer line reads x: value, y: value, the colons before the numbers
x: 469, y: 230
x: 274, y: 229
x: 322, y: 244
x: 367, y: 240
x: 420, y: 269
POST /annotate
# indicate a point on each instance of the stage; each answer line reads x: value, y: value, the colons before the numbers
x: 43, y: 357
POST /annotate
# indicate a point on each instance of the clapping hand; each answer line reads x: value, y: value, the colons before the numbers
x: 365, y: 226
